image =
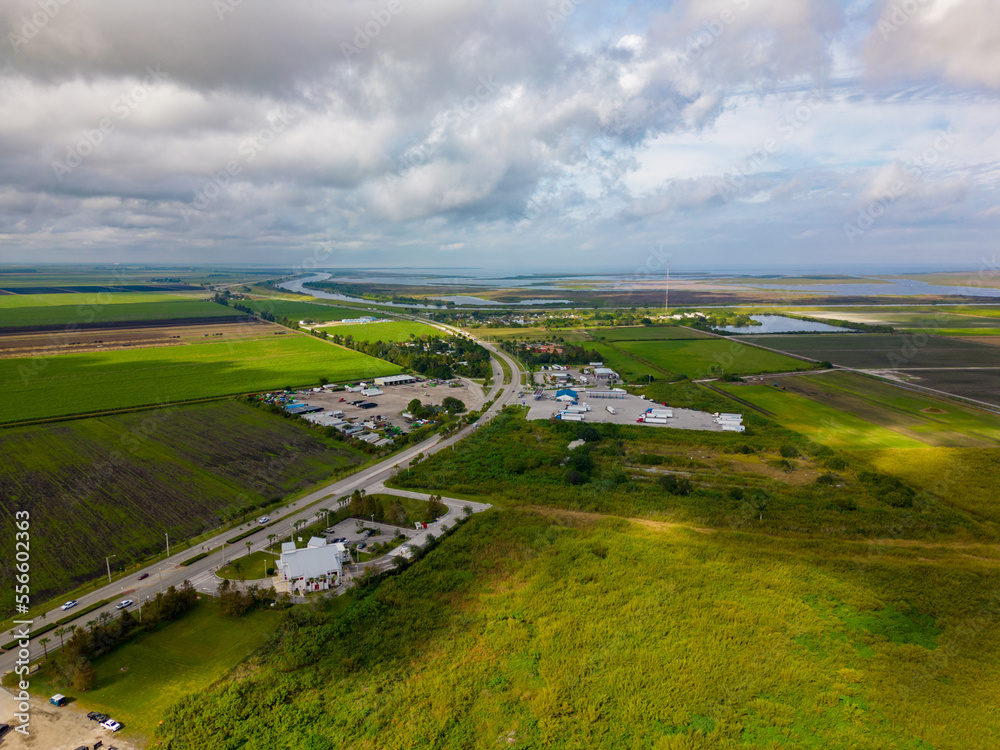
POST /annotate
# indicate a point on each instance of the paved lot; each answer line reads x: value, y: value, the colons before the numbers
x: 393, y: 400
x: 629, y: 408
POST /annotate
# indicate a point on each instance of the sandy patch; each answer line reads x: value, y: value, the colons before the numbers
x: 52, y: 728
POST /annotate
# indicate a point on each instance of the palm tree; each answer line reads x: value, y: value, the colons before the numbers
x: 249, y: 545
x: 270, y: 539
x: 45, y: 647
x: 61, y: 632
x: 104, y: 618
x: 91, y: 624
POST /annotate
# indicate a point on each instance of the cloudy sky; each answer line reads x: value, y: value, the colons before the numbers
x: 729, y: 134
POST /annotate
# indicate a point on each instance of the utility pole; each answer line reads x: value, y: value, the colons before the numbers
x: 167, y: 537
x: 107, y: 561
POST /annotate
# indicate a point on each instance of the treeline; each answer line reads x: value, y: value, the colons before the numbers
x: 226, y: 299
x: 570, y: 355
x: 390, y: 509
x: 71, y: 666
x: 236, y: 603
x: 434, y: 356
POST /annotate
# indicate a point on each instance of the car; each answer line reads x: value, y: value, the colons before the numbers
x: 360, y: 545
x: 111, y: 725
x: 98, y: 716
x: 124, y: 603
x: 69, y: 605
x: 263, y: 519
x: 144, y: 576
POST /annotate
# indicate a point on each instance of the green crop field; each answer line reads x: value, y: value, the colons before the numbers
x: 822, y: 423
x: 138, y: 682
x: 641, y: 333
x: 86, y: 383
x: 703, y: 358
x: 526, y: 629
x: 295, y: 310
x: 127, y: 479
x: 569, y: 335
x: 397, y: 330
x: 631, y: 370
x: 96, y: 299
x: 882, y: 351
x: 83, y: 314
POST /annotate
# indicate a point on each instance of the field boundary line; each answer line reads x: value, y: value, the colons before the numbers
x: 737, y: 399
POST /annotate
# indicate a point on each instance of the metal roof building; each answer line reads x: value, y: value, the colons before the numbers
x: 395, y: 380
x: 313, y: 568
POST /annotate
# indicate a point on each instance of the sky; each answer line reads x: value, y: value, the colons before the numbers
x: 721, y: 134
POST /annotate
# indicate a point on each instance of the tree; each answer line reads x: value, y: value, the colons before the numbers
x: 453, y: 405
x: 82, y: 675
x: 45, y: 642
x: 61, y: 632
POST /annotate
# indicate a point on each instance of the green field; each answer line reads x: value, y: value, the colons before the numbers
x: 128, y: 479
x: 397, y: 330
x: 569, y: 335
x: 138, y: 682
x: 565, y: 630
x: 86, y: 383
x: 83, y: 314
x: 295, y: 310
x: 710, y: 357
x: 822, y: 423
x: 16, y: 301
x: 881, y: 351
x: 641, y: 333
x: 250, y: 567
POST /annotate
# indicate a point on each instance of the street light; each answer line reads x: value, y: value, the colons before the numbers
x: 107, y: 561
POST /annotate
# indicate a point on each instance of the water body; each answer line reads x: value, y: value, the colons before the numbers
x: 781, y: 324
x: 887, y: 287
x: 299, y: 286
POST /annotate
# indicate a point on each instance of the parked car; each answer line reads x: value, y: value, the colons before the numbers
x: 97, y: 716
x: 360, y: 545
x: 263, y: 519
x: 124, y: 603
x: 111, y: 725
x: 143, y: 576
x: 69, y: 605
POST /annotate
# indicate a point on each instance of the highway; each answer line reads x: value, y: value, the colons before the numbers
x: 169, y: 572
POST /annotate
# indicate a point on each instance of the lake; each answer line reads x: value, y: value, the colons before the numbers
x: 782, y: 324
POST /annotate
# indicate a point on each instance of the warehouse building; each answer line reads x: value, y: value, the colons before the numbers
x: 395, y: 380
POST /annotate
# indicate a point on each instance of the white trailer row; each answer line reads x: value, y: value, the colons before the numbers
x: 570, y: 416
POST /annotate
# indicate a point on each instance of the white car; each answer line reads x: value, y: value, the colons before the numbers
x: 124, y: 603
x: 69, y: 605
x: 263, y: 519
x: 111, y: 725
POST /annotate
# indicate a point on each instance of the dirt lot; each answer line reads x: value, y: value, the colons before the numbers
x: 628, y: 409
x: 393, y: 400
x: 52, y: 728
x: 61, y: 342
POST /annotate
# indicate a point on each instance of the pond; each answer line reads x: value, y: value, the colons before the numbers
x: 782, y: 324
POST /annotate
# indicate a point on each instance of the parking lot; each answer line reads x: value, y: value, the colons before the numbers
x: 628, y: 409
x: 392, y: 402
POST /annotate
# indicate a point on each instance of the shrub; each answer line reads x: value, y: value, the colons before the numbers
x: 574, y: 477
x: 676, y: 485
x: 788, y: 451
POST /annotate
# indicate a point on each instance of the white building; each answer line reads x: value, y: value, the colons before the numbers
x: 317, y: 567
x: 395, y: 380
x: 605, y: 373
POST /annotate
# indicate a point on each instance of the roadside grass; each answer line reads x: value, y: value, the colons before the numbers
x: 251, y: 567
x: 69, y: 384
x: 138, y: 682
x: 397, y: 330
x: 296, y: 310
x: 570, y: 335
x: 822, y: 423
x: 562, y: 629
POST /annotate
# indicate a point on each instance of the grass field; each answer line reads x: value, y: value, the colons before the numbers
x: 128, y: 479
x: 560, y: 629
x: 295, y: 310
x: 250, y: 567
x: 88, y: 315
x: 138, y: 682
x: 703, y: 358
x: 85, y: 383
x: 17, y: 301
x: 397, y: 330
x: 570, y: 335
x: 822, y: 423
